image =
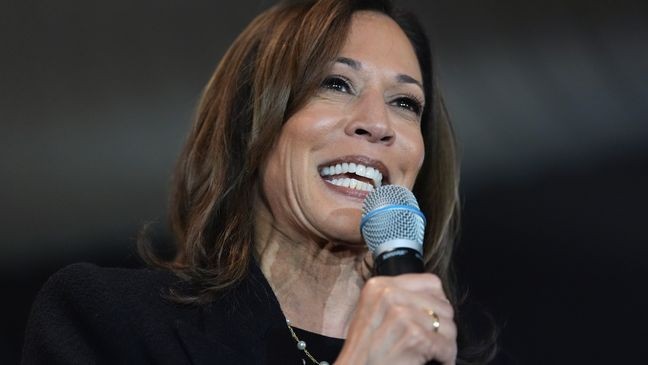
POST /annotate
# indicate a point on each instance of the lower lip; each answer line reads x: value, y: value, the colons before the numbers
x: 353, y: 193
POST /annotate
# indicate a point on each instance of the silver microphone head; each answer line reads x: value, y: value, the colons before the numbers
x: 391, y: 218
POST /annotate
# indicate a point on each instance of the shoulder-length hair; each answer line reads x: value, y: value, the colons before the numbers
x: 270, y: 71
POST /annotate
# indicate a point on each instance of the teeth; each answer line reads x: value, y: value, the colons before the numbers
x: 353, y: 184
x: 358, y: 169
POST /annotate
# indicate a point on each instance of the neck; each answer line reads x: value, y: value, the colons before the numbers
x: 316, y: 282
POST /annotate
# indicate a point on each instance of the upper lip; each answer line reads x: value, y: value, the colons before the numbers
x: 359, y: 159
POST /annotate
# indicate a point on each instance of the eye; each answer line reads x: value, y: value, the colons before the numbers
x: 337, y: 83
x: 410, y: 103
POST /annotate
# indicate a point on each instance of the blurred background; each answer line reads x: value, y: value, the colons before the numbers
x: 550, y: 104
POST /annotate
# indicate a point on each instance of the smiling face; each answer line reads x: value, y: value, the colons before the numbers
x: 360, y: 130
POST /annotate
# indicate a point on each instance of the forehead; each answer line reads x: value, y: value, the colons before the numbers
x: 376, y: 40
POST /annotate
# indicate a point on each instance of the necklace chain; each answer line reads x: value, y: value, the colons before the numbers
x: 301, y: 345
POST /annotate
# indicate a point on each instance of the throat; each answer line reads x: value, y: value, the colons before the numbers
x: 326, y: 311
x: 316, y: 294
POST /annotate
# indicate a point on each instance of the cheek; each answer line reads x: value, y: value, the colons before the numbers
x: 288, y: 164
x: 415, y: 152
x: 420, y: 151
x: 271, y: 175
x: 315, y: 124
x: 275, y: 171
x: 411, y: 154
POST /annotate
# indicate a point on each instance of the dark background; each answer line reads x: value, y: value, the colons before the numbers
x: 550, y: 104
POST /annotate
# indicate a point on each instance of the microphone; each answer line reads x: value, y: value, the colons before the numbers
x: 393, y: 226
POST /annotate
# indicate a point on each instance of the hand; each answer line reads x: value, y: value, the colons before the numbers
x: 392, y: 324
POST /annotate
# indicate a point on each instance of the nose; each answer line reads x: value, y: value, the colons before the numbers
x: 370, y: 121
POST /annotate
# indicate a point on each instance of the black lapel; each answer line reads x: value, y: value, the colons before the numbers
x: 234, y: 328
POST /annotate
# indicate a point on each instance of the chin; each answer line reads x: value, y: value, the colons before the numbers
x: 343, y: 225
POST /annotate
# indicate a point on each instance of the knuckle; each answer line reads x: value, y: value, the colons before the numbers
x: 415, y: 336
x: 382, y: 292
x: 397, y: 311
x: 415, y: 333
x: 434, y: 280
x: 388, y: 295
x: 373, y: 285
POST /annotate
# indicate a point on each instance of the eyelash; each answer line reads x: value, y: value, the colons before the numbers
x: 342, y: 84
x: 333, y: 83
x: 411, y: 103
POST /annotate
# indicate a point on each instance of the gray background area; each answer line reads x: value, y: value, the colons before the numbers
x: 549, y: 100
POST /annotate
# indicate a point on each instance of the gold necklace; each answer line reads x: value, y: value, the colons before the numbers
x: 301, y: 345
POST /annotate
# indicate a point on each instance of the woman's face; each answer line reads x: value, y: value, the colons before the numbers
x: 360, y: 130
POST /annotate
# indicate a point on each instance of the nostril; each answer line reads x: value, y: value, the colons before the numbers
x: 361, y: 131
x: 386, y: 138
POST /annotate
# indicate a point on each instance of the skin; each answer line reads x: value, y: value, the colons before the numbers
x: 308, y: 241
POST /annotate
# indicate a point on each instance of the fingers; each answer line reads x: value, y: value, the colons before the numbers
x: 412, y: 334
x: 414, y: 291
x: 430, y: 345
x: 420, y: 283
x: 421, y: 318
x: 393, y: 322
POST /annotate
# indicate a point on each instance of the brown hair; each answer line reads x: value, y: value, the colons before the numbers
x: 268, y: 73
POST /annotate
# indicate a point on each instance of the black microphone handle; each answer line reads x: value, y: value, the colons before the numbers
x: 401, y: 260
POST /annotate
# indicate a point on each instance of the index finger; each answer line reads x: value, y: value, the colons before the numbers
x: 422, y: 282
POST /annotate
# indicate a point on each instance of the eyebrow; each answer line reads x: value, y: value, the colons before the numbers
x: 357, y: 65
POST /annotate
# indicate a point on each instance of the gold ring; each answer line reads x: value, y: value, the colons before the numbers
x: 436, y: 324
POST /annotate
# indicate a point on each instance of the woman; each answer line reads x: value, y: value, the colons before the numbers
x: 271, y: 267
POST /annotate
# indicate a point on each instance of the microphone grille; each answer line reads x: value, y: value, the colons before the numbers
x: 389, y: 213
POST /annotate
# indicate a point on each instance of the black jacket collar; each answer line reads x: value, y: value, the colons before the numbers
x: 236, y: 327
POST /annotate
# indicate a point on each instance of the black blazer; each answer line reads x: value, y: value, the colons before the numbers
x: 86, y: 314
